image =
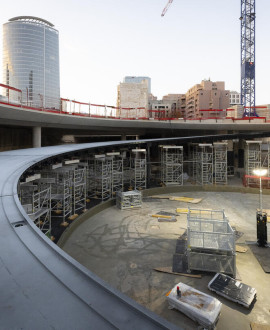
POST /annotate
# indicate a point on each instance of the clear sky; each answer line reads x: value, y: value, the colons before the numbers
x: 101, y: 41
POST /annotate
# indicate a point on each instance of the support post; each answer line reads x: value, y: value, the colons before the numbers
x: 36, y: 137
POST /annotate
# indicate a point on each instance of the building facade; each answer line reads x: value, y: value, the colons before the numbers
x: 31, y: 61
x: 207, y: 95
x: 132, y: 99
x: 137, y: 80
x: 235, y: 98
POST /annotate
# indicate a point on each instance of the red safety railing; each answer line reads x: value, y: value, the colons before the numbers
x: 30, y: 101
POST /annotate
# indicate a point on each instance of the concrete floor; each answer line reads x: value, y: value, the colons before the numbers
x: 123, y: 247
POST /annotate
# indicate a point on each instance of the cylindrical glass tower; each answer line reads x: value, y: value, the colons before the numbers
x: 31, y: 61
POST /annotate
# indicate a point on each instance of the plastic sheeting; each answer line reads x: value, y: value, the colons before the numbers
x: 197, y: 305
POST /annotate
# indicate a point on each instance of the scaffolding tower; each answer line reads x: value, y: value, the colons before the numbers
x: 172, y: 165
x: 103, y: 172
x: 61, y: 191
x: 90, y: 176
x: 192, y: 152
x: 35, y: 197
x: 204, y: 164
x: 220, y: 162
x: 138, y: 169
x: 253, y: 154
x: 117, y: 172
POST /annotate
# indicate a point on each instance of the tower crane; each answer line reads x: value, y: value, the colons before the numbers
x: 166, y: 8
x: 247, y: 55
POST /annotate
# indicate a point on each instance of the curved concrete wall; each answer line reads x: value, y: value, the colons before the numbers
x: 41, y: 286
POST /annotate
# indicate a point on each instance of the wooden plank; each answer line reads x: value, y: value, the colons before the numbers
x: 168, y: 270
x: 257, y: 326
x: 240, y: 249
x: 185, y: 211
x: 186, y: 199
x: 161, y: 216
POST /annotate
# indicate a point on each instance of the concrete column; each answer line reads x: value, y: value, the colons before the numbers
x: 36, y: 137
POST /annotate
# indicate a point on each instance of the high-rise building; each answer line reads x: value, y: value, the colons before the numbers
x: 234, y: 98
x: 206, y: 96
x: 132, y: 99
x: 31, y: 61
x: 137, y: 80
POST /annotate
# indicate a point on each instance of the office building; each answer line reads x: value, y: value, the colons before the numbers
x: 132, y: 99
x: 31, y: 61
x: 137, y: 80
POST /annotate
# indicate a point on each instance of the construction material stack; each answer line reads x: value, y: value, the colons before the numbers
x: 128, y: 199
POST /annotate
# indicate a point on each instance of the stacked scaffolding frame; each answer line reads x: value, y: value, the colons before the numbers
x: 220, y: 162
x: 72, y: 175
x: 35, y: 197
x: 211, y: 242
x: 103, y: 173
x: 90, y: 176
x: 138, y: 169
x: 204, y: 164
x: 253, y: 154
x: 61, y: 191
x: 117, y: 172
x: 172, y: 165
x: 192, y: 160
x: 128, y: 199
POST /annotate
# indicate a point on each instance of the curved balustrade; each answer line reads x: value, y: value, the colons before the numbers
x: 41, y: 286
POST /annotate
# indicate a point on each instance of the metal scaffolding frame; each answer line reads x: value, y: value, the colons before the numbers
x: 210, y: 241
x: 128, y: 199
x: 72, y: 176
x: 61, y: 191
x: 90, y: 176
x: 35, y: 197
x: 138, y: 169
x: 103, y: 174
x: 220, y: 162
x: 172, y: 165
x: 204, y: 164
x: 253, y: 155
x: 192, y: 160
x: 79, y: 190
x: 117, y: 171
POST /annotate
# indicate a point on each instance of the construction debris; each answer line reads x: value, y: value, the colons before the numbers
x: 161, y: 216
x: 257, y: 326
x: 168, y: 270
x: 179, y: 199
x: 240, y: 249
x: 185, y: 211
x: 232, y: 289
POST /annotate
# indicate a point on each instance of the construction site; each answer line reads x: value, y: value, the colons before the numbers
x: 146, y: 217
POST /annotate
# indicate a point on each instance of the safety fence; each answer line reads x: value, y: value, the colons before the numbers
x: 31, y: 101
